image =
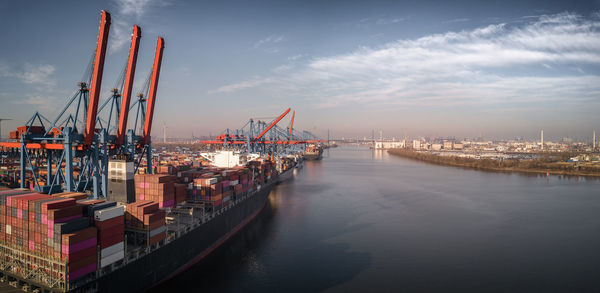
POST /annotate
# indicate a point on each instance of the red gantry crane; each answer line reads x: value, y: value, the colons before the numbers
x: 90, y: 125
x: 160, y: 45
x: 128, y: 87
x: 72, y: 143
x: 271, y: 138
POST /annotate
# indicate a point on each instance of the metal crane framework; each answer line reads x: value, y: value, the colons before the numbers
x: 261, y: 137
x: 74, y: 151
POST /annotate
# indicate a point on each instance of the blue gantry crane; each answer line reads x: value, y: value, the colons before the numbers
x: 75, y: 147
x: 257, y: 136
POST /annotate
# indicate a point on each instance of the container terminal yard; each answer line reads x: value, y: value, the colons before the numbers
x: 86, y: 205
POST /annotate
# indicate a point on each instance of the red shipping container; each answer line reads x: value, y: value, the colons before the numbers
x: 157, y: 238
x: 108, y: 233
x: 81, y: 254
x: 156, y: 224
x: 155, y: 216
x: 79, y: 236
x: 65, y: 213
x: 110, y: 222
x: 110, y: 241
x: 75, y: 265
x: 146, y: 209
x: 59, y: 203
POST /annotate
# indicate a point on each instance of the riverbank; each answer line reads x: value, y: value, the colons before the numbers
x: 512, y: 165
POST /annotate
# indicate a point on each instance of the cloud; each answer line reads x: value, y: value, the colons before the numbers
x: 478, y: 66
x: 119, y: 36
x: 296, y: 57
x: 38, y: 74
x: 456, y: 20
x: 241, y: 85
x: 385, y: 21
x: 129, y: 12
x: 135, y: 8
x: 41, y: 102
x: 269, y: 44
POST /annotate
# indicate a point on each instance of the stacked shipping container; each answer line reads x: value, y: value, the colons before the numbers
x: 90, y: 234
x: 145, y: 215
x: 50, y: 227
x: 110, y: 223
x: 156, y: 187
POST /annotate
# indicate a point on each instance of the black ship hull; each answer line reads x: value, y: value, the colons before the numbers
x: 187, y: 250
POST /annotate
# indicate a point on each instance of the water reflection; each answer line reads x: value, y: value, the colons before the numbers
x: 363, y: 221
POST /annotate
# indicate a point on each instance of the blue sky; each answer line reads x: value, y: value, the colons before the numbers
x: 429, y: 68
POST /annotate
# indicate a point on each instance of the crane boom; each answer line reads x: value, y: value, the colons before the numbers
x: 292, y: 125
x: 160, y: 45
x: 90, y: 125
x: 126, y: 95
x: 271, y: 125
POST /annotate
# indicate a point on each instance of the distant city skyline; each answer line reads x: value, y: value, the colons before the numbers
x: 507, y: 69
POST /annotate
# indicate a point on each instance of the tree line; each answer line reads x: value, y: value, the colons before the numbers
x: 554, y: 163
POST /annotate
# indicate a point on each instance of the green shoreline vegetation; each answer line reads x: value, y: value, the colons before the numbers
x: 553, y: 163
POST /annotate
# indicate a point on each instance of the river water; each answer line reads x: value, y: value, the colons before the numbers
x: 363, y: 221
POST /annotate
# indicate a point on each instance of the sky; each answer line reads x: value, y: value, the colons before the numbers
x: 503, y: 69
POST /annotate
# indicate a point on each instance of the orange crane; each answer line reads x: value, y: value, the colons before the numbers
x: 86, y: 154
x: 90, y: 125
x: 271, y: 125
x: 160, y: 45
x: 126, y: 97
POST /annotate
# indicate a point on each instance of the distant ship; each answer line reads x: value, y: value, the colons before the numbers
x: 313, y: 152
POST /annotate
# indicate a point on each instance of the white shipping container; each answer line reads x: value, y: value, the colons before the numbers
x: 8, y: 229
x: 158, y: 231
x: 210, y: 181
x: 112, y: 249
x: 107, y: 260
x: 109, y: 213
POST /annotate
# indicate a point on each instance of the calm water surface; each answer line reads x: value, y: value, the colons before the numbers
x: 361, y: 220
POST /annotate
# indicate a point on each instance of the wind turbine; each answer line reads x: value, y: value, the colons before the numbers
x: 1, y: 119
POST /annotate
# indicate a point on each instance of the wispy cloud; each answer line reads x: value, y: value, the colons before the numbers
x: 385, y: 21
x: 41, y: 102
x: 476, y: 66
x: 377, y: 21
x: 135, y: 8
x: 127, y: 13
x: 455, y: 20
x: 119, y: 36
x: 241, y: 85
x: 38, y: 74
x: 297, y: 57
x: 270, y: 43
x: 33, y: 74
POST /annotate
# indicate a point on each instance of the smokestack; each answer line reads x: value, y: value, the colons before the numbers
x: 542, y: 139
x: 594, y: 140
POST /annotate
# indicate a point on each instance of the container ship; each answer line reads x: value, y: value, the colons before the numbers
x: 313, y: 152
x: 68, y: 243
x: 146, y: 228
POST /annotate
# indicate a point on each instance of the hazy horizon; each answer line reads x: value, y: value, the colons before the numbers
x: 505, y: 70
